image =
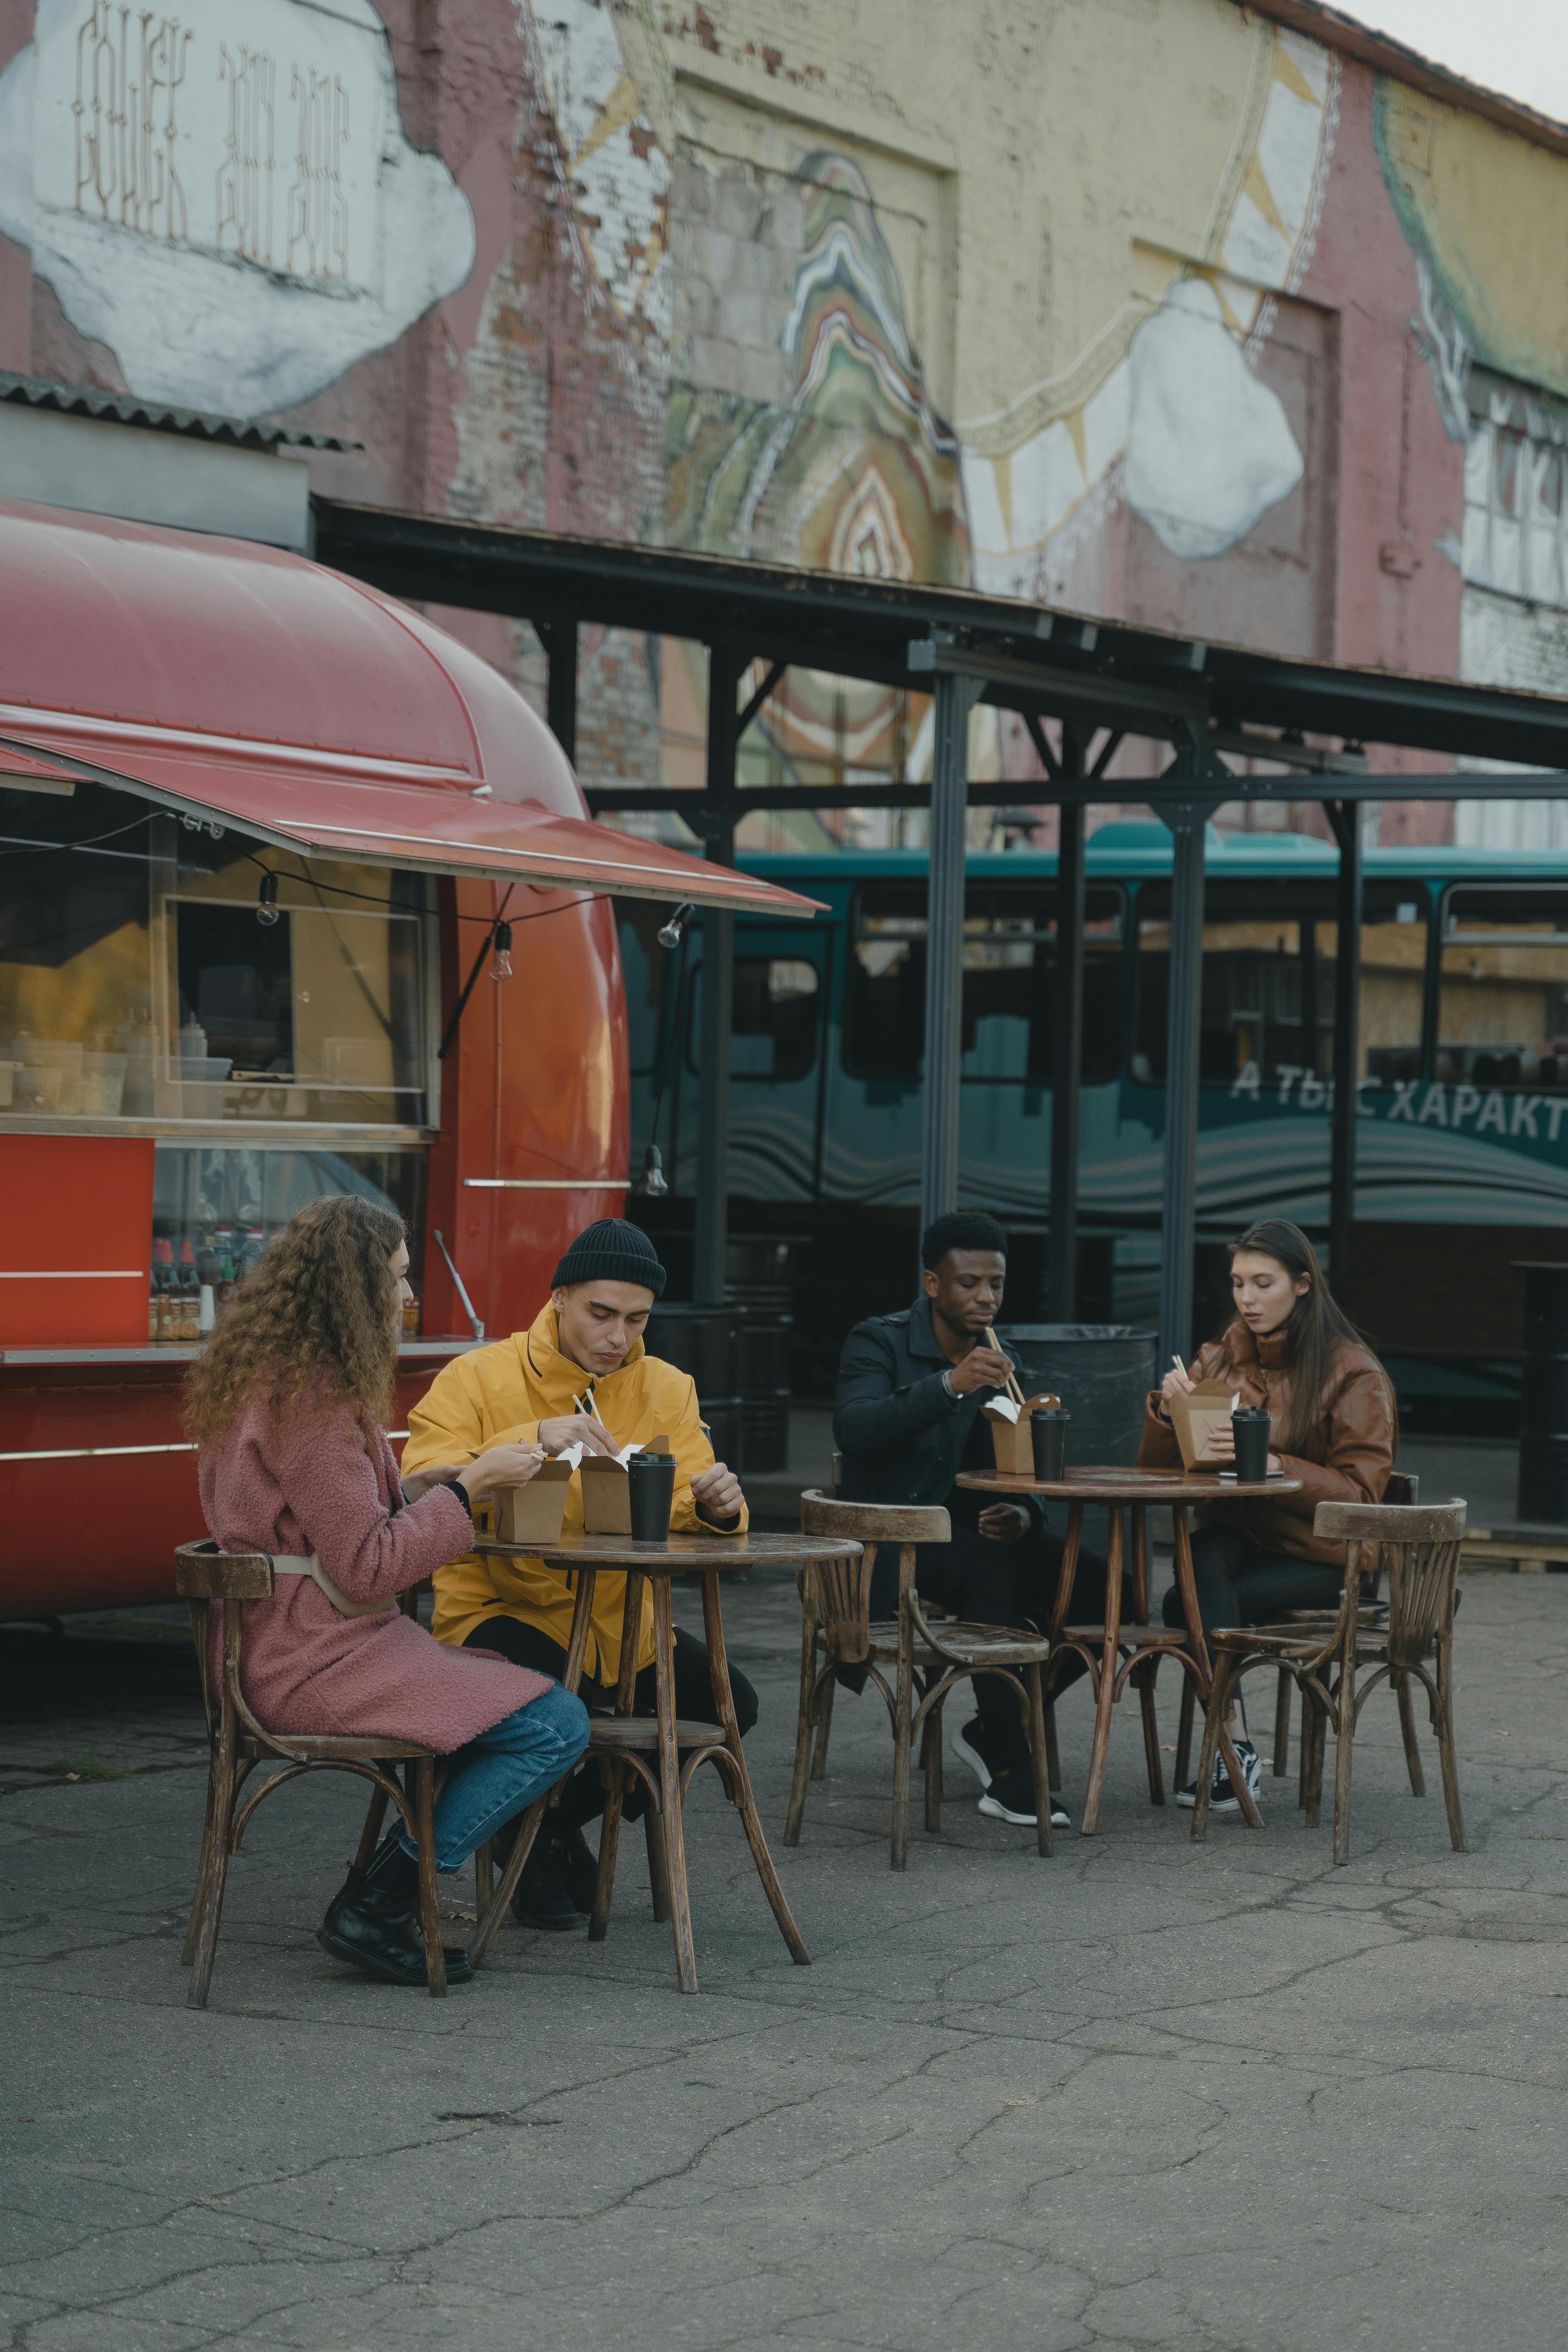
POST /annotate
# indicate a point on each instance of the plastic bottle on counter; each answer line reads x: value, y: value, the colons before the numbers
x: 255, y: 1247
x: 410, y: 1317
x: 227, y: 1283
x: 165, y: 1294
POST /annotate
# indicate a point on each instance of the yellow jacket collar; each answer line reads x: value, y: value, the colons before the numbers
x: 557, y: 1373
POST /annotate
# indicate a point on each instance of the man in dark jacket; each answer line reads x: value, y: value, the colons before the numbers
x: 908, y: 1420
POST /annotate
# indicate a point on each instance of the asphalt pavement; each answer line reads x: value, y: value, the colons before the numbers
x: 1217, y: 2098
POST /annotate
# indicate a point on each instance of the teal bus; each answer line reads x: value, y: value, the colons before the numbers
x: 1461, y: 1084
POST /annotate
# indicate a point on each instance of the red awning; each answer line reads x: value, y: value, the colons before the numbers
x: 246, y: 687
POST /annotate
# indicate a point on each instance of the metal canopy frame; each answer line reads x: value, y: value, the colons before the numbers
x: 1207, y: 702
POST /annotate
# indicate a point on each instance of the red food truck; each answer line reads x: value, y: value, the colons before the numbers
x: 260, y: 827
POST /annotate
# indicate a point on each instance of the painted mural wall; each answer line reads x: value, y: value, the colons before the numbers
x: 1151, y: 308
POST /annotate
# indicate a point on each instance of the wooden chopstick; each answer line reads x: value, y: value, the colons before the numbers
x: 1014, y: 1391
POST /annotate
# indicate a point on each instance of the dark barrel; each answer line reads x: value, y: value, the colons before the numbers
x: 702, y: 1340
x: 1544, y: 1422
x: 1102, y: 1373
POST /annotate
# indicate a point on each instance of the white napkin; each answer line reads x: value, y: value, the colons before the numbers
x: 1004, y: 1405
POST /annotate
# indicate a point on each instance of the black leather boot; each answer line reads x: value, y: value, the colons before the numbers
x: 545, y: 1896
x: 376, y: 1930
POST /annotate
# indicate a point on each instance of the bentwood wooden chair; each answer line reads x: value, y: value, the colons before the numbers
x: 206, y: 1577
x: 927, y: 1658
x: 1417, y: 1548
x: 1404, y: 1486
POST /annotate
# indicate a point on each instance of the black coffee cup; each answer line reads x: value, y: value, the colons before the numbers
x: 1251, y: 1428
x: 651, y: 1496
x: 1049, y: 1429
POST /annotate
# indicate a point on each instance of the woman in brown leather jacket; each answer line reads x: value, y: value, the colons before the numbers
x: 1289, y: 1349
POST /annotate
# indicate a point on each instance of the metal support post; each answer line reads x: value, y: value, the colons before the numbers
x: 954, y: 699
x: 559, y: 639
x: 1067, y: 1046
x: 711, y: 1254
x: 1187, y: 820
x: 1345, y: 817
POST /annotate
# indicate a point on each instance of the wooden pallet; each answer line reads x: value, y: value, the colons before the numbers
x: 1498, y: 1551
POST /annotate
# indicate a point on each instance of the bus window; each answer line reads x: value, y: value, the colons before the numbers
x: 773, y: 1028
x: 1502, y: 1017
x: 1009, y: 956
x: 1268, y: 983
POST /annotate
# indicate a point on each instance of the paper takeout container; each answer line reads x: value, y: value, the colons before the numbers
x: 1011, y: 1433
x: 531, y: 1513
x: 1195, y: 1417
x: 607, y: 1490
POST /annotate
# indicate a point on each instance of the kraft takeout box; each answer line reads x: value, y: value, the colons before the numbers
x: 607, y: 1490
x: 1196, y: 1416
x: 531, y: 1513
x: 1011, y: 1433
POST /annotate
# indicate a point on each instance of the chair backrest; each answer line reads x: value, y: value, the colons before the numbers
x: 203, y: 1572
x: 843, y: 1586
x: 1417, y: 1544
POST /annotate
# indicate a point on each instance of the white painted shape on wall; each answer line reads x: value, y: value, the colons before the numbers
x: 1209, y: 448
x: 227, y: 197
x: 619, y: 173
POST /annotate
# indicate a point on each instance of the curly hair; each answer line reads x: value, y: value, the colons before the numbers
x: 317, y: 1317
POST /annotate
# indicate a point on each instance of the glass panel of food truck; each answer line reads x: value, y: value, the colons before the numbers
x: 140, y: 978
x: 1268, y: 983
x: 216, y: 1208
x: 1009, y: 958
x: 1502, y: 1006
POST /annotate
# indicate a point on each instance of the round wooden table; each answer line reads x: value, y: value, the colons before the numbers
x: 1114, y: 1653
x: 659, y: 1750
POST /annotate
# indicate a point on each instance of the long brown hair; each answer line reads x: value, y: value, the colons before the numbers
x: 317, y: 1316
x: 1315, y: 1331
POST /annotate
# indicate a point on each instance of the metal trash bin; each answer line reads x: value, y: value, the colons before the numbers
x: 1102, y: 1373
x: 1543, y: 1420
x: 702, y: 1340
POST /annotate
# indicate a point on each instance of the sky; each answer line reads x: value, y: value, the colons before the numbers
x: 1518, y: 47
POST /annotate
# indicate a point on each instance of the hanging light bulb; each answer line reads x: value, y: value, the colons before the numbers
x: 670, y: 933
x: 267, y: 902
x: 654, y: 1179
x: 500, y: 962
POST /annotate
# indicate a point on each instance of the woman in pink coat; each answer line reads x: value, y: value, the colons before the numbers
x: 287, y: 1406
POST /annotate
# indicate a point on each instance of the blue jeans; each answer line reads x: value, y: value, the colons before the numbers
x: 501, y: 1773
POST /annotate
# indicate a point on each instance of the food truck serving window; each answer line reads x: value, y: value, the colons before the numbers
x: 142, y: 976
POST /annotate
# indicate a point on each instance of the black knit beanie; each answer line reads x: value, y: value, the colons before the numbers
x: 612, y: 1251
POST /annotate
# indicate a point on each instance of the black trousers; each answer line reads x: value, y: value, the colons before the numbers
x: 583, y: 1798
x: 1011, y: 1585
x: 1237, y: 1584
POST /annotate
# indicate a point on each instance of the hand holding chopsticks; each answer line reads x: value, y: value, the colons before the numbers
x: 1014, y: 1391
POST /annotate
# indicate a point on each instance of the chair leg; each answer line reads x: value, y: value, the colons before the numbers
x: 671, y: 1798
x: 1345, y: 1745
x: 484, y: 1878
x: 1310, y: 1724
x: 823, y: 1728
x: 1282, y: 1724
x: 615, y: 1776
x: 1446, y: 1750
x: 796, y: 1813
x: 1224, y: 1675
x: 1402, y: 1691
x: 421, y: 1772
x: 903, y: 1698
x: 203, y: 1871
x: 1045, y: 1836
x: 930, y: 1765
x: 658, y: 1866
x: 1185, y: 1732
x: 1312, y: 1768
x: 1144, y: 1677
x: 211, y: 1879
x: 1053, y: 1753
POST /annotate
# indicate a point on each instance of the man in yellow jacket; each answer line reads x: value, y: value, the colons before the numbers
x: 580, y: 1375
